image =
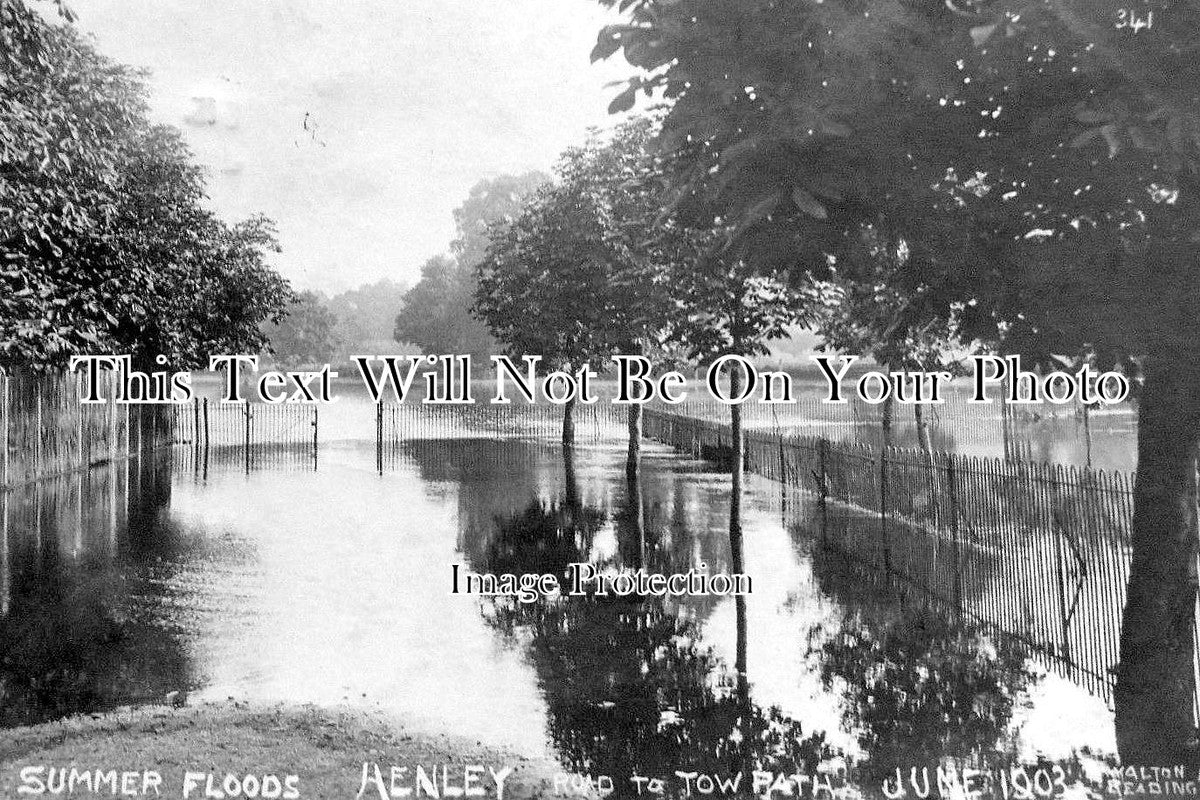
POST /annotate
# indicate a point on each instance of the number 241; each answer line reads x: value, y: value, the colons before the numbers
x: 1128, y: 18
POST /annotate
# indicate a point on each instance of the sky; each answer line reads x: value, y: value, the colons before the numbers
x: 359, y: 125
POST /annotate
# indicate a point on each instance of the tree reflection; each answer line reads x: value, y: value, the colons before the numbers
x: 631, y: 522
x: 916, y: 687
x: 629, y: 688
x: 630, y: 692
x: 545, y: 537
x: 73, y: 639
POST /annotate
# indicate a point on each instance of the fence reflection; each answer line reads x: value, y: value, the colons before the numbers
x: 1039, y: 552
x: 46, y: 431
x: 74, y: 637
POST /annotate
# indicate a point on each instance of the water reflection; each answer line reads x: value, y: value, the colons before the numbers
x: 332, y: 586
x: 73, y: 619
x: 915, y: 687
x: 842, y: 666
x: 630, y: 687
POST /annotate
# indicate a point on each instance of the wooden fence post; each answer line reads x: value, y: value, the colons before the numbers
x: 5, y: 576
x: 204, y: 455
x: 36, y: 472
x: 379, y: 437
x: 952, y: 493
x: 1057, y: 479
x: 6, y: 410
x: 823, y: 484
x: 83, y: 460
x: 883, y: 510
x: 247, y: 436
x: 113, y: 437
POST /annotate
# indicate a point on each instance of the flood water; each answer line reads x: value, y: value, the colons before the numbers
x: 1103, y: 438
x: 329, y: 582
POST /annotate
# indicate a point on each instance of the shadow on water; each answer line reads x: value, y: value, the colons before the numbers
x: 112, y: 596
x: 644, y: 685
x: 74, y: 632
x: 916, y: 687
x: 630, y: 687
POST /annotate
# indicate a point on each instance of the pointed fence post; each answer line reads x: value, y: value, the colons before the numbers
x: 1058, y: 480
x: 883, y: 510
x: 247, y: 437
x: 952, y: 492
x: 823, y: 486
x: 379, y: 436
x: 6, y: 410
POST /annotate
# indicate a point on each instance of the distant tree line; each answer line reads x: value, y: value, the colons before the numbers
x: 432, y: 316
x: 324, y: 330
x: 436, y: 316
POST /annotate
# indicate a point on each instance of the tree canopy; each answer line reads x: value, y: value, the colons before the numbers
x: 1026, y: 150
x: 366, y: 317
x: 307, y: 336
x: 862, y: 312
x: 1039, y: 158
x: 105, y: 241
x: 592, y: 266
x: 436, y: 314
x: 544, y: 286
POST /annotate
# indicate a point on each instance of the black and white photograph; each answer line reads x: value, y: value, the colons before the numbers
x: 583, y: 399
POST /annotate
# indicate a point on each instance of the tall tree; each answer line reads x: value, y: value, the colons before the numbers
x: 1042, y: 156
x: 622, y: 176
x: 864, y: 312
x: 104, y: 240
x: 545, y: 288
x: 436, y: 316
x: 366, y: 317
x: 307, y: 336
x: 734, y: 310
x: 593, y: 267
x: 597, y: 243
x: 203, y: 286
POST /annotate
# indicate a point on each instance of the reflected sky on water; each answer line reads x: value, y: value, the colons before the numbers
x: 134, y: 581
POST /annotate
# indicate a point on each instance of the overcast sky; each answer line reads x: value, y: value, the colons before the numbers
x: 358, y: 125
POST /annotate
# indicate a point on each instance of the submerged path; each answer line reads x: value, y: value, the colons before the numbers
x: 325, y: 584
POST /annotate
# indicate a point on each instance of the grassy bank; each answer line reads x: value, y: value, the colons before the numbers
x: 324, y: 749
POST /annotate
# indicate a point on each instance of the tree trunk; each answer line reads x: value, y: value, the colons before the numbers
x: 933, y: 484
x: 884, y: 494
x: 572, y: 481
x: 633, y: 457
x: 923, y: 435
x: 1155, y: 683
x: 743, y: 678
x: 1087, y: 434
x: 633, y: 543
x: 1006, y: 429
x: 885, y: 424
x: 568, y: 432
x: 737, y: 469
